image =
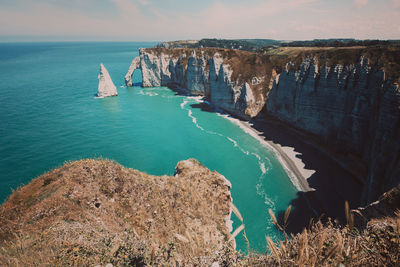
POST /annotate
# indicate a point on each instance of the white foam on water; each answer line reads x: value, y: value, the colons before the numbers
x: 257, y: 156
x: 151, y: 94
x: 235, y: 144
x: 184, y: 103
x: 262, y: 168
x: 194, y: 120
x: 254, y: 134
x: 261, y: 192
x: 233, y: 141
x: 198, y: 99
x: 190, y: 113
x: 259, y: 186
x: 264, y: 163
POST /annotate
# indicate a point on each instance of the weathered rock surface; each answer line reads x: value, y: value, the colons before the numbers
x: 213, y: 73
x: 351, y: 108
x: 134, y: 65
x: 94, y: 212
x: 386, y: 206
x: 106, y: 86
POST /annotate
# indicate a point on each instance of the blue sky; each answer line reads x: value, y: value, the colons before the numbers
x: 155, y: 20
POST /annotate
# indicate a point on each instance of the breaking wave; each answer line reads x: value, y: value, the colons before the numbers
x: 263, y: 162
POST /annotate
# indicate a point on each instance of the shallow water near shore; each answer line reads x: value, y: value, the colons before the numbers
x: 49, y: 115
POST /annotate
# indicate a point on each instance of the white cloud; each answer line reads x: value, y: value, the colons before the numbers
x: 144, y: 2
x: 127, y: 8
x: 277, y: 19
x: 361, y: 3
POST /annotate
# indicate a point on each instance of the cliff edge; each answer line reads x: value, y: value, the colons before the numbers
x: 346, y: 99
x: 92, y: 212
x: 97, y: 213
x: 233, y: 80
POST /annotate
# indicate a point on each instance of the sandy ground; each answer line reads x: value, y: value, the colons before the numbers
x: 324, y: 180
x: 287, y: 155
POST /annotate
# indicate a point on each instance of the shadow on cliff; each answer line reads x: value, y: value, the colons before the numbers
x: 178, y: 91
x: 203, y: 107
x: 332, y: 184
x: 138, y: 84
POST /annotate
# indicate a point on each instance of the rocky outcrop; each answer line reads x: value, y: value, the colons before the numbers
x: 134, y: 66
x: 352, y: 109
x: 98, y: 213
x: 386, y: 206
x: 93, y: 212
x: 106, y: 86
x: 213, y: 73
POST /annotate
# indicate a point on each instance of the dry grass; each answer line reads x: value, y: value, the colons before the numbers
x: 332, y: 245
x: 93, y: 212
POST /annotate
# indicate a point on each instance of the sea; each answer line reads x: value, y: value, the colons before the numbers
x: 49, y: 115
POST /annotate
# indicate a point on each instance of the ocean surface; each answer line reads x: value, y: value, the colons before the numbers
x: 49, y: 115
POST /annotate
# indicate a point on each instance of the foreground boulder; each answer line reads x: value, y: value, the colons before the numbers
x: 95, y: 212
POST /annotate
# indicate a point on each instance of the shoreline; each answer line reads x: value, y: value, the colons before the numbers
x: 293, y: 166
x: 323, y: 184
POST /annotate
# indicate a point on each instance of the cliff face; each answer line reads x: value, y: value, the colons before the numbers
x: 93, y: 212
x: 351, y: 108
x: 214, y: 73
x: 106, y: 86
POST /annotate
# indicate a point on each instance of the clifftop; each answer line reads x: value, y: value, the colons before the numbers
x: 245, y: 64
x: 385, y: 58
x: 93, y: 212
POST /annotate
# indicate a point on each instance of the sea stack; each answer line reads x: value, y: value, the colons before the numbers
x: 106, y: 86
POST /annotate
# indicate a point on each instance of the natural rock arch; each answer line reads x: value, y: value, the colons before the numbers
x: 134, y: 66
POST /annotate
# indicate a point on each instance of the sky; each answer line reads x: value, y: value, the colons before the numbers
x: 163, y: 20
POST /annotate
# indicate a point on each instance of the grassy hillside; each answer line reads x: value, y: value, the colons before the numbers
x: 94, y: 212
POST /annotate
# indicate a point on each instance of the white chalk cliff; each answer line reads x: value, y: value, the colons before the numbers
x: 134, y: 65
x: 352, y: 107
x: 204, y: 72
x: 106, y: 86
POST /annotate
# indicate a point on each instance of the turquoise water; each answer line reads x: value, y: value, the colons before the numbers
x: 48, y: 115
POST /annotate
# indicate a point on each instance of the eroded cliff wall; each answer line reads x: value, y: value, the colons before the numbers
x: 351, y: 108
x: 214, y: 73
x: 349, y: 105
